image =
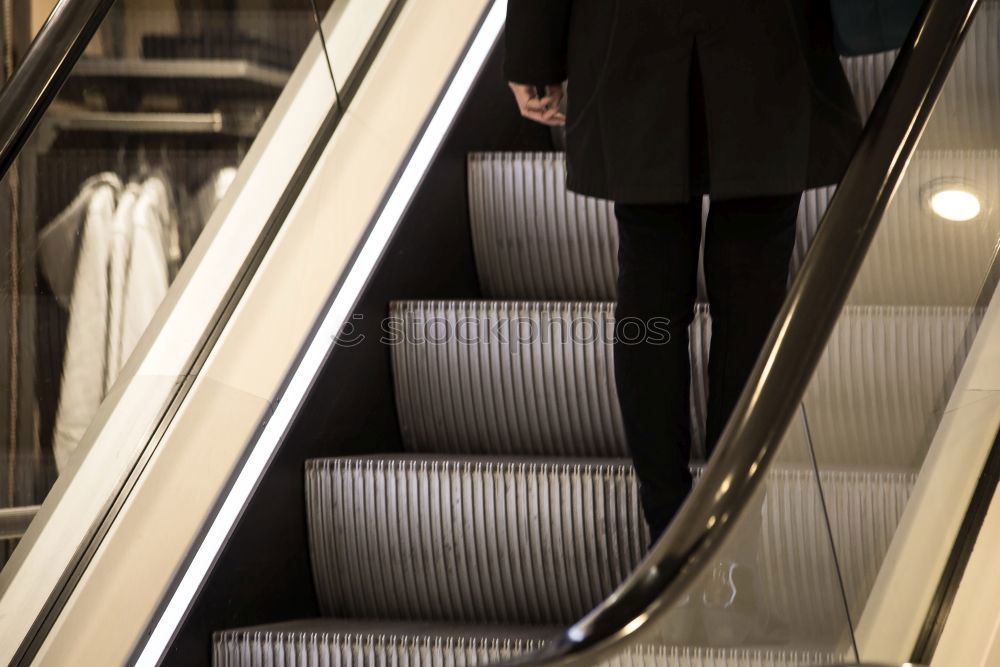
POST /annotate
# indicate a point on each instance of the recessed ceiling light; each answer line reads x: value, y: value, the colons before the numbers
x: 956, y: 203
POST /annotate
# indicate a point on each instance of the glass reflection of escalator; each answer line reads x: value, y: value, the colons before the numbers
x: 511, y: 511
x: 135, y: 118
x: 160, y: 109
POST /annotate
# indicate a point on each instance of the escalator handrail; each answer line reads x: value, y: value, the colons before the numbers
x: 791, y: 353
x: 47, y: 63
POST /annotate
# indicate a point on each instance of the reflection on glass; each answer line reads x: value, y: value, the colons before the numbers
x: 879, y: 394
x: 794, y: 578
x: 112, y: 192
x: 773, y: 591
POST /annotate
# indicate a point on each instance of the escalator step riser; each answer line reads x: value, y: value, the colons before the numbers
x: 533, y: 239
x: 506, y: 541
x: 470, y: 541
x: 506, y: 377
x: 237, y: 649
x: 461, y: 389
x: 287, y: 649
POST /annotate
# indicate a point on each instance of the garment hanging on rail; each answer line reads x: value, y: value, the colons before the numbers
x: 82, y: 386
x: 59, y: 242
x: 120, y: 279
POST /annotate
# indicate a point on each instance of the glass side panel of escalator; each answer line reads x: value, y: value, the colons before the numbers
x: 818, y: 537
x: 892, y: 383
x: 105, y: 205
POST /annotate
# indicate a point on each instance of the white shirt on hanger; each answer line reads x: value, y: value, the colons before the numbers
x: 83, y: 376
x: 122, y: 277
x: 60, y: 241
x: 146, y: 278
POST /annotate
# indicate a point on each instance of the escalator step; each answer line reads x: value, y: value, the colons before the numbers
x: 472, y: 540
x: 330, y: 642
x: 507, y: 378
x: 533, y: 239
x: 479, y: 377
x: 500, y: 540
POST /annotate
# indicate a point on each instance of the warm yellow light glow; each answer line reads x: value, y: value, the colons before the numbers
x: 956, y: 204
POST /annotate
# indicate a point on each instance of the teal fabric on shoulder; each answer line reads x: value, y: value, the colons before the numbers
x: 872, y: 26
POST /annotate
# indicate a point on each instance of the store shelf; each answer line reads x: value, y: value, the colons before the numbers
x: 228, y: 77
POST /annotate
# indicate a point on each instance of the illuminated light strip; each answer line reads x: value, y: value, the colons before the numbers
x: 324, y: 337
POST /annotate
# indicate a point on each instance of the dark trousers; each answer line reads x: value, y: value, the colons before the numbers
x: 747, y: 250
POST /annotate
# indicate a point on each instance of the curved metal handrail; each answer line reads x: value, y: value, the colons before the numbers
x: 45, y: 67
x: 790, y: 355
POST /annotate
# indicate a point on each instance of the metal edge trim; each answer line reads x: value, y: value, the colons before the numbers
x: 954, y: 570
x: 317, y: 326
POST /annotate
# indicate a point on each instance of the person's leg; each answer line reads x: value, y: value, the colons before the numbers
x: 748, y: 247
x: 657, y: 287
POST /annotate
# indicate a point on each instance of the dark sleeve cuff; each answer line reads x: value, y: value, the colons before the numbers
x: 535, y: 40
x: 517, y: 73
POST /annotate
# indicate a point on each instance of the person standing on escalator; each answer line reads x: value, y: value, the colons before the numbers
x: 669, y: 100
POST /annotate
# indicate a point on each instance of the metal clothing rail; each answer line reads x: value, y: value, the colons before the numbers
x: 238, y: 126
x: 14, y: 520
x: 264, y: 77
x: 794, y: 346
x: 46, y: 65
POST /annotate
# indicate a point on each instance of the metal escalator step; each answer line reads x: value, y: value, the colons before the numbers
x: 501, y: 540
x: 473, y: 540
x: 533, y: 239
x: 537, y: 378
x: 516, y: 377
x: 331, y: 642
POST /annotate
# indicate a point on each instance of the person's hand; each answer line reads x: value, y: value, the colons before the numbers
x: 545, y: 109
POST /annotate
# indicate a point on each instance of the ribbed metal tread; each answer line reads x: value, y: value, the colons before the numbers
x: 542, y: 541
x: 537, y: 378
x: 534, y: 239
x: 507, y: 377
x: 333, y: 643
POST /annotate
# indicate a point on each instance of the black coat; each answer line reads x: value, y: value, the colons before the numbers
x: 780, y: 115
